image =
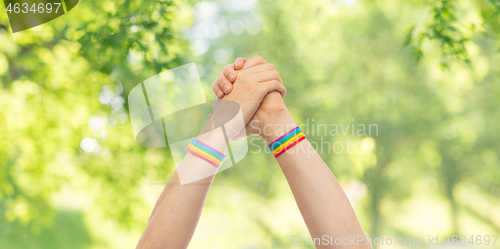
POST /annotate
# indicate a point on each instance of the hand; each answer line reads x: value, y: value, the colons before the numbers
x: 224, y: 83
x: 251, y: 87
x: 271, y: 111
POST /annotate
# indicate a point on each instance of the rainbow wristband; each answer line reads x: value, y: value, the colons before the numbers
x: 205, y: 152
x: 287, y: 141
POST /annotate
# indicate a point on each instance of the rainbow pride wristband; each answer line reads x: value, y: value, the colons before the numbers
x: 205, y: 152
x: 287, y: 141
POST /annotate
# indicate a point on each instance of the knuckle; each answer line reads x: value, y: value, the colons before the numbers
x: 224, y: 81
x: 220, y: 79
x: 276, y: 74
x: 258, y: 58
x: 228, y: 68
x: 270, y: 66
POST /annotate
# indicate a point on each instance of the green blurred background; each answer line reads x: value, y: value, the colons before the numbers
x: 425, y: 72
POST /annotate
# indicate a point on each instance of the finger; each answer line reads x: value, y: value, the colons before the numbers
x: 224, y: 84
x: 270, y: 95
x: 239, y: 63
x: 267, y: 76
x: 256, y: 60
x: 229, y: 73
x: 216, y: 89
x: 273, y: 85
x: 258, y: 69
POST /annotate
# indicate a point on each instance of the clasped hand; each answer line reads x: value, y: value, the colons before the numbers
x: 258, y: 88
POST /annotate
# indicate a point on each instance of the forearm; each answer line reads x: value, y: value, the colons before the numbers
x: 175, y: 220
x: 320, y: 198
x: 177, y: 211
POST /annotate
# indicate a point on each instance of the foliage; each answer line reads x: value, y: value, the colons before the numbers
x: 343, y: 63
x: 58, y: 80
x: 452, y: 26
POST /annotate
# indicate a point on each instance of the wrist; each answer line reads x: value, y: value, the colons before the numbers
x: 276, y: 125
x: 215, y: 139
x: 229, y: 117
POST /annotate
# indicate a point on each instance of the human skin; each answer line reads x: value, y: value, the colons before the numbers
x: 272, y: 103
x: 320, y: 198
x: 176, y: 213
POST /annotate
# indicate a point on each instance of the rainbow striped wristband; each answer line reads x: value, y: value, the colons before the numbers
x: 205, y: 152
x: 287, y: 141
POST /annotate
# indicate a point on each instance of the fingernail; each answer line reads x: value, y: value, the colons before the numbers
x: 220, y: 93
x: 230, y: 76
x: 236, y: 64
x: 226, y: 88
